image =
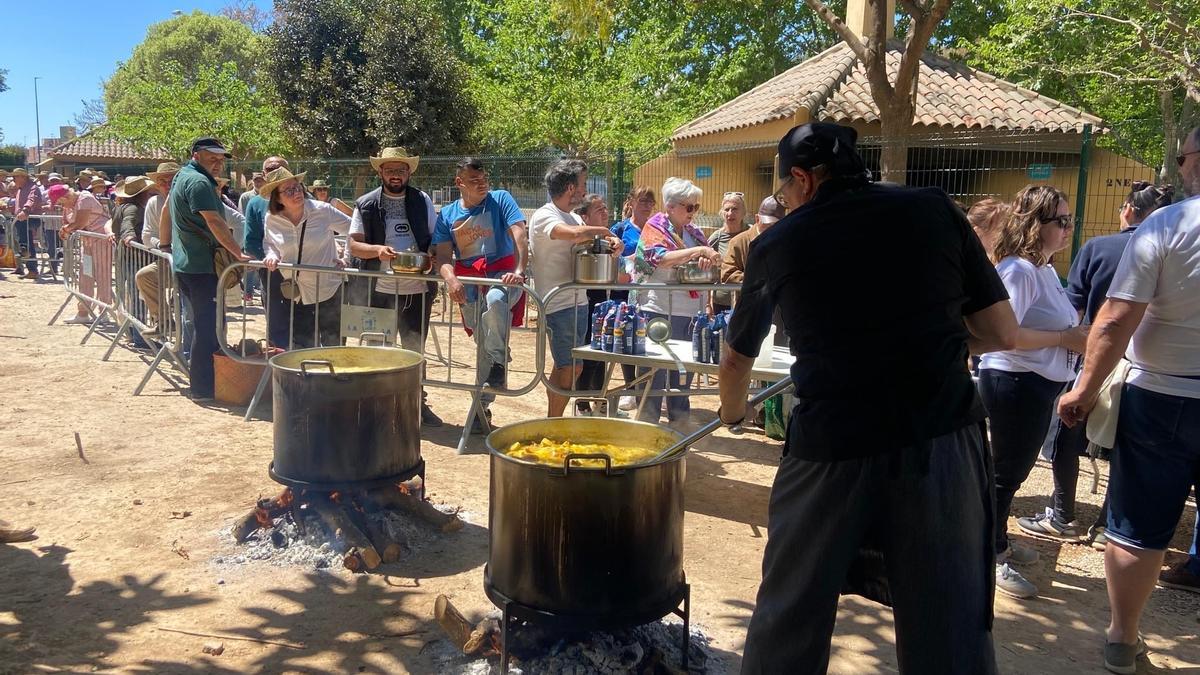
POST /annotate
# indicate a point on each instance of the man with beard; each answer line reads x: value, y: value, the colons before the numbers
x: 397, y: 217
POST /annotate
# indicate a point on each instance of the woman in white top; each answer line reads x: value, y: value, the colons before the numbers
x: 1019, y: 387
x: 301, y: 231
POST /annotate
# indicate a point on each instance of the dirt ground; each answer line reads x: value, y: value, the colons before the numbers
x: 113, y: 576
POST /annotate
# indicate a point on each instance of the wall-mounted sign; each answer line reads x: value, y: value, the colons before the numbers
x: 704, y: 172
x: 1039, y: 171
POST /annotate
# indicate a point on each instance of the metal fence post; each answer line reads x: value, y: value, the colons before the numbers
x: 1085, y: 159
x: 619, y: 188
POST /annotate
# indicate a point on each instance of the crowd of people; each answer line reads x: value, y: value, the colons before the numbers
x: 903, y: 458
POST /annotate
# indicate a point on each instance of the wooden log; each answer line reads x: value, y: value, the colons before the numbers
x: 393, y: 497
x: 343, y: 528
x: 390, y: 547
x: 458, y: 629
x: 262, y: 515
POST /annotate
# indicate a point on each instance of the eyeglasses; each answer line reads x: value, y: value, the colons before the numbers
x: 1182, y: 157
x: 402, y: 171
x: 690, y: 208
x: 779, y: 196
x: 292, y: 190
x: 1064, y: 222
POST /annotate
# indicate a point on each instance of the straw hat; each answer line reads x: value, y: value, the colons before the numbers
x: 96, y: 182
x: 319, y: 183
x: 134, y: 186
x: 276, y: 178
x: 19, y: 172
x: 396, y: 155
x: 165, y: 169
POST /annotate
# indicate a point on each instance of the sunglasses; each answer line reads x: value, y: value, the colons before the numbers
x: 1063, y: 222
x: 690, y: 208
x: 733, y: 194
x: 1182, y: 157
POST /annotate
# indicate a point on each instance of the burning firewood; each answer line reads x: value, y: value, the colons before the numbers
x: 395, y: 498
x: 262, y: 515
x: 341, y: 526
x: 457, y: 628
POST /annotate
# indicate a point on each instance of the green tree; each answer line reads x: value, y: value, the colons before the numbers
x: 189, y: 45
x: 1128, y: 61
x: 357, y: 75
x: 3, y: 79
x: 213, y: 100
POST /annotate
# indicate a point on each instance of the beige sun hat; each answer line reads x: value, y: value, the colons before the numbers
x: 18, y: 172
x: 97, y: 181
x: 319, y: 183
x: 164, y: 169
x: 133, y: 186
x: 276, y: 178
x: 396, y: 155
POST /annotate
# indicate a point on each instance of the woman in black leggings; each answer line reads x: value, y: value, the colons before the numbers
x: 1019, y: 387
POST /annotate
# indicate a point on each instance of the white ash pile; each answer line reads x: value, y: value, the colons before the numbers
x: 357, y: 530
x: 649, y: 649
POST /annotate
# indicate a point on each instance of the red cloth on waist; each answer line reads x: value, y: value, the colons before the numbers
x: 482, y: 268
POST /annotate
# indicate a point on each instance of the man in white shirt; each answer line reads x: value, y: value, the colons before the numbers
x: 147, y: 278
x: 1152, y: 316
x: 554, y: 230
x: 392, y: 218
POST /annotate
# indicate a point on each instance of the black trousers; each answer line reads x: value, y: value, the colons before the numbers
x: 318, y: 324
x: 926, y: 510
x: 1019, y: 407
x: 201, y: 293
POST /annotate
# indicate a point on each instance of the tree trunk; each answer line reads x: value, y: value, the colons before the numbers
x: 896, y: 123
x: 1166, y: 106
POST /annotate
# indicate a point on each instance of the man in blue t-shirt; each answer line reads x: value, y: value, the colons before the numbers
x: 485, y: 231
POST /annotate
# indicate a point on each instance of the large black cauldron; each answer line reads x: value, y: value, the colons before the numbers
x: 593, y: 547
x: 346, y: 416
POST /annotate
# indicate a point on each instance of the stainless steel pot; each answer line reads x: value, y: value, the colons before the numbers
x: 411, y: 261
x: 599, y: 543
x: 690, y: 273
x: 346, y: 414
x: 596, y: 262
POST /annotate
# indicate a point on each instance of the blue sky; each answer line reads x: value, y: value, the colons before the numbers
x: 72, y: 51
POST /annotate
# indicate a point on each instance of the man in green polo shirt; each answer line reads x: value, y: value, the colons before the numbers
x: 197, y: 228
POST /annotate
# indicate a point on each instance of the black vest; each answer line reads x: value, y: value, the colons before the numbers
x: 374, y: 229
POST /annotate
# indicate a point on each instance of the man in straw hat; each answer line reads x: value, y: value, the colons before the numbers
x: 397, y: 217
x: 278, y: 307
x: 156, y: 232
x: 486, y: 230
x: 197, y: 228
x: 27, y: 204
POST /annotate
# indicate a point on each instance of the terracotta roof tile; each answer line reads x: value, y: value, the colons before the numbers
x: 833, y: 86
x: 89, y: 147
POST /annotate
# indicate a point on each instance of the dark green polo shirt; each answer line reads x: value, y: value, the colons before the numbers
x: 193, y: 191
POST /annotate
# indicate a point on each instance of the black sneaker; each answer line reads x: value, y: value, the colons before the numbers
x: 495, y: 378
x: 429, y: 418
x: 1180, y: 578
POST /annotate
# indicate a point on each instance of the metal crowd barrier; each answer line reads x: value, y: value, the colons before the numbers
x: 88, y: 276
x: 147, y: 301
x: 361, y: 318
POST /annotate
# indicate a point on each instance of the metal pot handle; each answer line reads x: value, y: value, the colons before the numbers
x: 591, y: 455
x: 315, y: 362
x: 373, y: 335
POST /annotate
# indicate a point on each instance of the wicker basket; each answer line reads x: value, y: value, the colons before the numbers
x: 235, y: 381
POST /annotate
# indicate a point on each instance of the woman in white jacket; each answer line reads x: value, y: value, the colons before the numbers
x: 299, y: 230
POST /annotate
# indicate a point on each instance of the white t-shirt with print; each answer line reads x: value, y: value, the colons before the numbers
x: 552, y: 260
x: 1040, y: 303
x: 398, y: 235
x: 1161, y: 266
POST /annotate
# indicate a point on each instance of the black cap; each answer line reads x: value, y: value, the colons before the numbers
x: 820, y: 143
x: 209, y: 144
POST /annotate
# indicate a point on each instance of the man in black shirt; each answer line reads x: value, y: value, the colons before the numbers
x: 884, y: 488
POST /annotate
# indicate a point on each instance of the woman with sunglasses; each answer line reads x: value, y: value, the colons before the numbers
x: 733, y: 223
x: 300, y: 230
x: 668, y: 240
x: 1091, y: 274
x: 1019, y: 387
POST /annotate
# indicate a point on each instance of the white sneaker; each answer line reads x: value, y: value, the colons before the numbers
x: 79, y: 320
x: 627, y: 403
x: 1010, y: 582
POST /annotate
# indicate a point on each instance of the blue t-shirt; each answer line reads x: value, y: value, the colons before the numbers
x: 481, y: 230
x: 256, y: 214
x: 629, y: 234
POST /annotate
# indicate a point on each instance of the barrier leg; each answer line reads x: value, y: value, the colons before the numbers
x: 153, y: 369
x: 92, y: 328
x: 60, y: 309
x: 258, y: 392
x: 476, y: 412
x: 120, y: 332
